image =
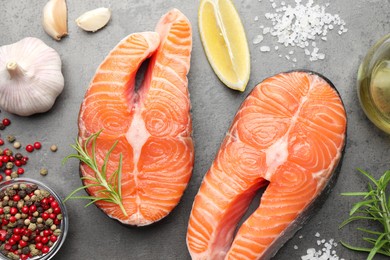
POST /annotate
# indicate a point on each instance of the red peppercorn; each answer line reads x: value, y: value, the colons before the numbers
x: 45, y: 240
x: 3, y: 234
x: 5, y: 158
x: 4, y: 222
x: 12, y: 219
x: 23, y: 257
x: 8, y: 246
x: 57, y: 221
x: 11, y: 241
x: 25, y: 209
x: 16, y: 237
x: 39, y: 245
x: 20, y: 171
x: 37, y: 145
x: 13, y: 210
x: 6, y: 122
x: 29, y: 148
x: 18, y: 163
x: 11, y: 158
x: 45, y: 249
x: 46, y: 232
x: 1, y: 163
x: 16, y: 198
x: 54, y: 204
x: 33, y: 208
x: 51, y: 199
x: 57, y: 210
x: 1, y: 210
x: 1, y: 177
x: 1, y: 141
x: 17, y: 231
x: 38, y: 239
x: 45, y: 215
x: 52, y: 216
x: 8, y: 172
x: 53, y: 238
x: 22, y: 243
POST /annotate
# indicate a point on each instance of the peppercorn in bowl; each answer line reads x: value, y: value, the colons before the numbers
x: 33, y: 219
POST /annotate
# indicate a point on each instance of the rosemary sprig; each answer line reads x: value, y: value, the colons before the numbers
x: 110, y: 187
x: 374, y: 207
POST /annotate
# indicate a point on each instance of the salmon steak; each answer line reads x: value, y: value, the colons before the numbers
x: 151, y: 122
x: 288, y: 137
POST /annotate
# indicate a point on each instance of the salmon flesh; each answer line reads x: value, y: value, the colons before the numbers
x: 289, y: 135
x: 152, y: 123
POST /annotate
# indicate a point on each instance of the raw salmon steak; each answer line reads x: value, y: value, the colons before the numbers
x: 288, y: 134
x: 151, y: 123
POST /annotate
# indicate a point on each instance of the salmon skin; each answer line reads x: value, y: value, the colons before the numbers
x: 289, y: 135
x: 152, y: 123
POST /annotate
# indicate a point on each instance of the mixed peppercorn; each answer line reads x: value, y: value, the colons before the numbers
x: 30, y: 220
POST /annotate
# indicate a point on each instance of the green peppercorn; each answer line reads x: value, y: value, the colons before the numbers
x: 27, y: 222
x: 37, y: 192
x: 20, y: 204
x: 15, y: 186
x: 57, y: 232
x: 45, y: 193
x: 8, y: 178
x: 6, y: 209
x: 11, y: 138
x: 14, y: 175
x: 36, y: 214
x: 9, y: 165
x: 11, y: 193
x: 12, y: 256
x: 43, y: 171
x: 8, y: 152
x: 32, y: 227
x: 23, y: 186
x: 27, y: 198
x: 49, y: 222
x: 6, y: 198
x: 59, y: 216
x: 18, y: 215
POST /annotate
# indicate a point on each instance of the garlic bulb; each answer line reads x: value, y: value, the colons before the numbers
x: 94, y: 20
x: 55, y: 19
x: 30, y: 77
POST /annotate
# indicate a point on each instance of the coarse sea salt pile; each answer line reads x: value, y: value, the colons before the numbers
x: 302, y: 25
x: 325, y: 253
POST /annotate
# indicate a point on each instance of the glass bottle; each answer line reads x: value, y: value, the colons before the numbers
x: 374, y: 84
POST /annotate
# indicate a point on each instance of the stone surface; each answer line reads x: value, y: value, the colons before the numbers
x: 92, y: 235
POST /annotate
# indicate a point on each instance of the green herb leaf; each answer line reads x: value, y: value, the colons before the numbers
x: 375, y: 208
x: 110, y: 189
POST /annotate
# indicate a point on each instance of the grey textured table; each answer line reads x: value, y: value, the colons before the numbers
x: 92, y: 235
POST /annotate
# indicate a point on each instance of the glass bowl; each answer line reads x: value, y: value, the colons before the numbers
x: 64, y: 222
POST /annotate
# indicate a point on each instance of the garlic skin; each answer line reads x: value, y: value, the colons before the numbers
x: 54, y: 19
x: 94, y: 20
x: 30, y: 77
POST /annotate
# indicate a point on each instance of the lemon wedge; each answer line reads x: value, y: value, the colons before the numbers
x: 224, y: 41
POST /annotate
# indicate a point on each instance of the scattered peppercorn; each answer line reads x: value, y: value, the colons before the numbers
x: 17, y: 145
x: 6, y: 122
x: 37, y: 145
x: 43, y: 171
x: 54, y: 148
x: 29, y: 148
x: 11, y: 138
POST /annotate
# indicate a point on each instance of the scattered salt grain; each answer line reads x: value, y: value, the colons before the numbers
x: 259, y: 38
x: 295, y: 247
x: 302, y: 25
x: 256, y: 18
x: 265, y: 49
x: 324, y: 253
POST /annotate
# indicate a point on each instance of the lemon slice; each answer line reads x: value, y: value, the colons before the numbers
x: 225, y: 43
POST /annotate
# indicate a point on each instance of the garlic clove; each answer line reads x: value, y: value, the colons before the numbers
x: 55, y: 19
x: 94, y: 20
